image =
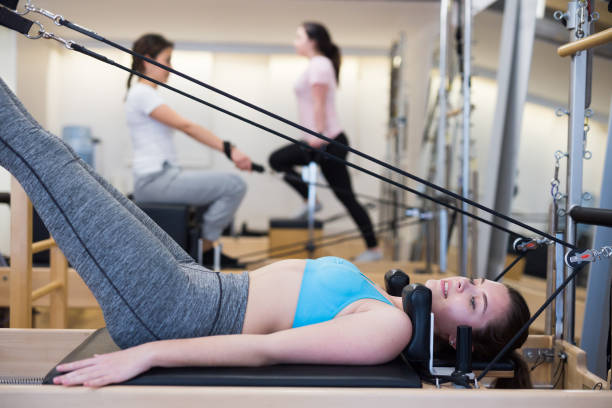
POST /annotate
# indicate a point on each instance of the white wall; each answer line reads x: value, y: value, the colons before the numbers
x: 8, y: 73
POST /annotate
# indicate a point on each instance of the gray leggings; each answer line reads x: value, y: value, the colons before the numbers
x: 220, y: 192
x: 147, y: 286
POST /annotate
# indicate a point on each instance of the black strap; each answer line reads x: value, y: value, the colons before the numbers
x: 501, y: 275
x: 227, y: 149
x: 14, y: 21
x: 12, y: 4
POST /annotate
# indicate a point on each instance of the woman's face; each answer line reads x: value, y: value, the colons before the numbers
x: 461, y: 301
x: 156, y: 72
x: 303, y: 45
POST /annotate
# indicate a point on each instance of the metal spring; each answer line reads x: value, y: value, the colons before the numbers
x: 21, y: 380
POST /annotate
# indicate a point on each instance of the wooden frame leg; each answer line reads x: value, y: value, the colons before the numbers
x: 21, y: 258
x: 59, y: 297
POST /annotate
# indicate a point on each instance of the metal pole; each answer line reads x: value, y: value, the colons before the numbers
x: 474, y: 227
x: 575, y: 148
x: 400, y: 139
x: 441, y: 163
x: 441, y: 140
x: 559, y: 266
x: 217, y: 257
x: 312, y: 200
x: 443, y: 228
x: 465, y: 173
x: 550, y: 271
x: 595, y: 331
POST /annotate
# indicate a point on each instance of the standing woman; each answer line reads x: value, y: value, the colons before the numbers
x: 316, y: 96
x: 157, y: 177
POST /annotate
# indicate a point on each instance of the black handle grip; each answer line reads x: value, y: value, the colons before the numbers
x: 257, y: 168
x: 592, y: 216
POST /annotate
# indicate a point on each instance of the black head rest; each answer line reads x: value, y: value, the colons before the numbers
x: 395, y: 280
x: 416, y: 300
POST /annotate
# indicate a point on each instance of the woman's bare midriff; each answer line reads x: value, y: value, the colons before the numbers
x: 273, y: 295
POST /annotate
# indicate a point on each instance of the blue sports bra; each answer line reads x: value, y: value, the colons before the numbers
x: 329, y: 285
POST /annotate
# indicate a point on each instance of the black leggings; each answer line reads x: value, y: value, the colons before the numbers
x: 335, y: 173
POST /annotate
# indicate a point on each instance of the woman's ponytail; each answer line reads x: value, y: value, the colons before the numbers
x: 334, y: 56
x: 319, y: 34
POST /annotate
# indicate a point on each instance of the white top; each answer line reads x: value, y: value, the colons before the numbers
x: 320, y: 71
x: 152, y: 141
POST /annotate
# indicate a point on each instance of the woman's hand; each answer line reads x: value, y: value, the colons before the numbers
x: 241, y: 160
x: 103, y: 369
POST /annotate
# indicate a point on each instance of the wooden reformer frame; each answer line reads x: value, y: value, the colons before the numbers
x: 20, y: 276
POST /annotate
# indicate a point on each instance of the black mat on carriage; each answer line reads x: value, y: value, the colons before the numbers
x: 396, y: 374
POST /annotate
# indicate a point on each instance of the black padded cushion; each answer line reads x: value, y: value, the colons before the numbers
x: 395, y: 281
x: 12, y: 4
x: 288, y: 223
x: 416, y: 300
x: 172, y: 218
x: 396, y: 374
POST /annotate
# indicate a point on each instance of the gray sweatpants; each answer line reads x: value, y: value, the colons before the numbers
x: 147, y: 286
x: 220, y: 192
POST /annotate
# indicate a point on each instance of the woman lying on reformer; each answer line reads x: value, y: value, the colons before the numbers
x: 163, y: 309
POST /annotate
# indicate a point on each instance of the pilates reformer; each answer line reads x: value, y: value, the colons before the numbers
x: 559, y: 241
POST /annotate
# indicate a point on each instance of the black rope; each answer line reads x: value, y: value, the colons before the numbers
x: 510, y: 344
x: 95, y: 36
x: 518, y: 258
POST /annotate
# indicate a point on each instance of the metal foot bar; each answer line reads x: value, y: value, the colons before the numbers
x: 591, y: 41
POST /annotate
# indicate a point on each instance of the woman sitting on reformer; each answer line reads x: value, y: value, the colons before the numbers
x: 163, y: 309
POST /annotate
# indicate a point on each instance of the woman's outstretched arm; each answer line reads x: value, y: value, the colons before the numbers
x: 171, y: 118
x: 370, y: 337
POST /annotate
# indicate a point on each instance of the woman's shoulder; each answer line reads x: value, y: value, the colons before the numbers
x: 321, y: 61
x: 137, y: 89
x: 142, y: 97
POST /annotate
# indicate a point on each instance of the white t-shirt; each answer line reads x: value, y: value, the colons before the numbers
x: 152, y: 141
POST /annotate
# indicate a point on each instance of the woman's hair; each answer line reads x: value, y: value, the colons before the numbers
x: 319, y: 34
x: 489, y: 341
x: 150, y: 45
